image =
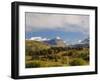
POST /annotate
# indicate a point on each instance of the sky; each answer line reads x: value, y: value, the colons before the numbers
x: 69, y: 27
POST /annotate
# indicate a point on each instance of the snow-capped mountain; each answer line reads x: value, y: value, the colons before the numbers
x: 56, y: 42
x: 81, y: 43
x: 85, y: 41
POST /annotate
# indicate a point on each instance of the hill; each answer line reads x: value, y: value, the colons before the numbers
x: 35, y: 45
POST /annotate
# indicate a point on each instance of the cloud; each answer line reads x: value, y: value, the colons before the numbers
x: 57, y: 21
x: 38, y: 39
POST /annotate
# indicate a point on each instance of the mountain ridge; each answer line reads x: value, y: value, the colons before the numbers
x: 59, y: 42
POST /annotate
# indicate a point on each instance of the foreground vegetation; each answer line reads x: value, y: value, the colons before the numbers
x: 39, y: 54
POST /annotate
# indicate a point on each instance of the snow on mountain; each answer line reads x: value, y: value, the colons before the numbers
x: 58, y: 37
x: 85, y: 41
x: 57, y: 41
x: 79, y: 41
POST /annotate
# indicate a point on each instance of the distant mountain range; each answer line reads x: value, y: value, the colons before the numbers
x: 58, y: 42
x: 83, y: 43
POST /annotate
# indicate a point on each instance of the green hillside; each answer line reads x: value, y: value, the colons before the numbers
x: 32, y: 45
x: 39, y: 54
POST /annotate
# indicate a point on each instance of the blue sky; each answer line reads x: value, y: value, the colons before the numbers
x: 71, y: 28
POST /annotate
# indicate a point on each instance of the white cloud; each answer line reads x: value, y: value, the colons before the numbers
x: 38, y: 39
x: 57, y: 21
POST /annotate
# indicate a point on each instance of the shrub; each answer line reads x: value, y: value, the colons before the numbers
x: 84, y: 56
x: 33, y: 64
x: 70, y: 53
x: 77, y: 61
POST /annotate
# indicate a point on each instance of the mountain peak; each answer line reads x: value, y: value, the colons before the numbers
x: 86, y: 41
x: 57, y: 41
x: 58, y: 37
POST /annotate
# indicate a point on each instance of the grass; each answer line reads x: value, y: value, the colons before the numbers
x: 39, y: 63
x: 54, y: 56
x: 65, y: 58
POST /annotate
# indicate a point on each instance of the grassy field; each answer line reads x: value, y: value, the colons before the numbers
x: 39, y: 54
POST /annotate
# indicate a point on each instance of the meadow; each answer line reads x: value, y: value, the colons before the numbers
x: 39, y: 54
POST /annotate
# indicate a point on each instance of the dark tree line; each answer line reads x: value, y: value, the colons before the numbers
x: 52, y: 50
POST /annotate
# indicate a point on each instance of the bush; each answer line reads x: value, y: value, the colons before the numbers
x: 33, y: 64
x: 77, y: 61
x: 84, y: 56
